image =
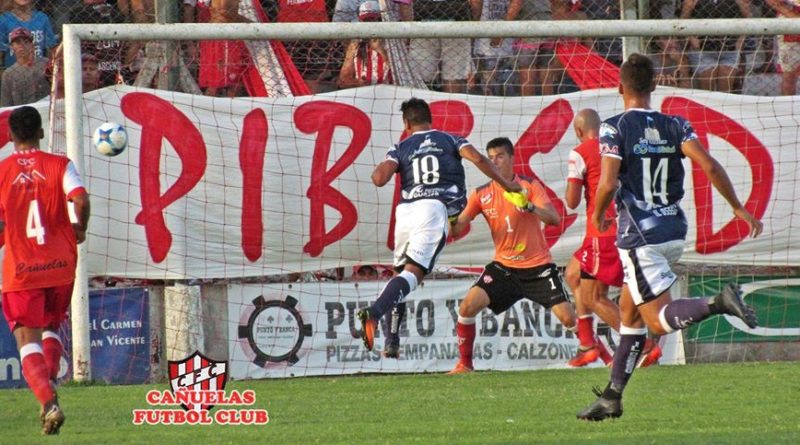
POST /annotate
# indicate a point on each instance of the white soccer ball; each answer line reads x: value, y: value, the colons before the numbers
x: 110, y: 139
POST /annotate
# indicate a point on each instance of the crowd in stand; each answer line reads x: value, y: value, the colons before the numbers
x: 29, y: 37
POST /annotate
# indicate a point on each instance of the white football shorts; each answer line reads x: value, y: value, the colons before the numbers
x: 420, y: 233
x: 648, y: 271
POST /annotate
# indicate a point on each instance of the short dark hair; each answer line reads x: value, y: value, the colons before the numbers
x: 416, y: 111
x: 637, y: 74
x: 25, y: 123
x: 501, y: 142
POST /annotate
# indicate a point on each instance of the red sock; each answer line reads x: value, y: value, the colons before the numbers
x: 586, y: 330
x: 466, y: 341
x: 35, y: 371
x: 52, y: 349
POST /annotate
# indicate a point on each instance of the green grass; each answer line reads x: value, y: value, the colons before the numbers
x: 729, y: 403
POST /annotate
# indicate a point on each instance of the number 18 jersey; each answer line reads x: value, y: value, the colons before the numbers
x: 651, y: 175
x: 40, y: 244
x: 430, y: 167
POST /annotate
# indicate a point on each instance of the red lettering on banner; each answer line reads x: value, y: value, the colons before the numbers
x: 159, y: 120
x: 542, y: 136
x: 707, y: 121
x: 252, y: 149
x: 451, y: 116
x: 322, y: 117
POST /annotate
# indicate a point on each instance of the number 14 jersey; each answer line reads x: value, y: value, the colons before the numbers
x: 651, y: 175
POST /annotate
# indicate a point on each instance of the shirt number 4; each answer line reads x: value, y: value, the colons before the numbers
x: 33, y: 226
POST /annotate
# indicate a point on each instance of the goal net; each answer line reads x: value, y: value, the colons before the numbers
x: 249, y: 214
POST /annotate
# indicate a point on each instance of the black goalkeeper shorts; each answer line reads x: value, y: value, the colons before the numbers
x: 506, y: 285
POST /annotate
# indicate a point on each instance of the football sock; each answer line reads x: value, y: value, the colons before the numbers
x: 465, y: 329
x: 631, y: 343
x: 394, y: 319
x: 394, y: 292
x: 586, y: 330
x: 682, y: 313
x: 35, y: 371
x: 52, y: 350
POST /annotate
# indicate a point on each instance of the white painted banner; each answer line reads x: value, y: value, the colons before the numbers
x: 225, y: 188
x: 305, y: 329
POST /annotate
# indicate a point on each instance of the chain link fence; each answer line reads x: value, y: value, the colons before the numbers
x: 510, y: 67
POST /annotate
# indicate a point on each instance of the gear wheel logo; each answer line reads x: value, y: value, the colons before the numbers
x: 275, y: 331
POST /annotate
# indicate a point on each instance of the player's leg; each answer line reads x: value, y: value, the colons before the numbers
x: 56, y: 305
x: 476, y: 300
x: 394, y: 319
x: 572, y: 277
x: 420, y: 236
x: 632, y: 337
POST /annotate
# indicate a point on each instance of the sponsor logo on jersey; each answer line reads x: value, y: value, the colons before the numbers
x: 486, y: 199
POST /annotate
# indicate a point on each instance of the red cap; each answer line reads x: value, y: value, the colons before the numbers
x: 19, y: 32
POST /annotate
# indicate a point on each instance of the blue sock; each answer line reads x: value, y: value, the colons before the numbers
x: 395, y: 291
x: 682, y: 313
x: 625, y: 359
x: 394, y: 319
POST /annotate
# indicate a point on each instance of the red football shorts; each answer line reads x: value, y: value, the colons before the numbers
x: 599, y: 258
x: 222, y: 63
x: 37, y: 308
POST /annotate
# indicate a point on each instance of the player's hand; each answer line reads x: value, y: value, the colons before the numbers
x: 519, y: 199
x: 80, y: 232
x: 601, y: 222
x: 756, y: 226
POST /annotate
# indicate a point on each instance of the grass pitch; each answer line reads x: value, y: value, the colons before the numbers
x: 751, y: 403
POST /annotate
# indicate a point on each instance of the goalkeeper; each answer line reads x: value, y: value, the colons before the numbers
x: 522, y: 266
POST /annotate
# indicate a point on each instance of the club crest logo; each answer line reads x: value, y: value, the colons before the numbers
x: 197, y: 373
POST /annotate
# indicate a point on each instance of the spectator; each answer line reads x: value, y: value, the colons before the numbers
x: 451, y: 58
x: 110, y: 55
x: 24, y: 82
x: 90, y: 73
x: 788, y: 47
x: 222, y: 62
x: 610, y: 49
x: 715, y: 60
x: 536, y: 60
x: 22, y: 14
x: 493, y: 56
x: 670, y: 63
x: 313, y: 58
x: 366, y: 61
x: 346, y: 11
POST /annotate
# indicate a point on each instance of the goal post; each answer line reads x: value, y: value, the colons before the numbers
x: 73, y: 35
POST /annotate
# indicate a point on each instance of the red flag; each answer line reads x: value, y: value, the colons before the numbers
x: 588, y: 69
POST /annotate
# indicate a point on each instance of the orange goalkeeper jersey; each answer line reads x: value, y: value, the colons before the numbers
x: 518, y: 235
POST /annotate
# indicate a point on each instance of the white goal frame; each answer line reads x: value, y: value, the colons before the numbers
x: 74, y: 34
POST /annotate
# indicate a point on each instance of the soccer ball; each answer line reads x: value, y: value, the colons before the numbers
x: 110, y: 139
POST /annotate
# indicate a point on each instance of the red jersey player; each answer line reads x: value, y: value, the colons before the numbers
x: 596, y: 264
x: 40, y: 253
x: 522, y: 266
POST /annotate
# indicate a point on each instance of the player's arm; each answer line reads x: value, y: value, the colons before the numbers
x: 383, y: 172
x: 695, y: 151
x: 541, y: 206
x: 606, y: 188
x: 483, y: 163
x: 460, y: 225
x: 82, y: 212
x: 573, y: 194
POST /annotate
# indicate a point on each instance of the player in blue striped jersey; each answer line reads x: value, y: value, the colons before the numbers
x: 433, y: 192
x: 642, y: 151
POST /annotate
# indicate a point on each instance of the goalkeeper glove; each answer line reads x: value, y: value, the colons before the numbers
x: 519, y: 199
